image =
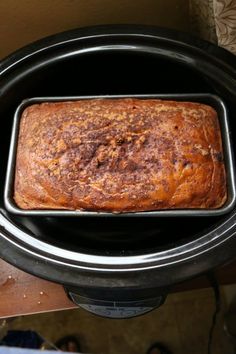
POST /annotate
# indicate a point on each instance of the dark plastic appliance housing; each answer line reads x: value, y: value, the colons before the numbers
x: 116, y: 259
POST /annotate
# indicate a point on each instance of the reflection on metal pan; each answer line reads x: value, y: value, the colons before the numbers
x: 212, y: 100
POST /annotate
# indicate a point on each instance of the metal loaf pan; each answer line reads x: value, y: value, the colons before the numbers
x: 212, y: 100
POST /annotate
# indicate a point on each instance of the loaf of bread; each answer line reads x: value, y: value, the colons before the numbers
x: 119, y: 155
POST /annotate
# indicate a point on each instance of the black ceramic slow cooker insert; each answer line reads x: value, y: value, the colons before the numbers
x: 111, y: 266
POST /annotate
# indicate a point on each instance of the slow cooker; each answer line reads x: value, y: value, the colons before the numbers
x: 115, y: 267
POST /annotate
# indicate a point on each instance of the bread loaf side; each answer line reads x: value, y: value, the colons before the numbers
x: 119, y: 155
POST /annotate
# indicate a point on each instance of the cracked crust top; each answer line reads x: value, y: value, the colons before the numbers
x: 120, y: 155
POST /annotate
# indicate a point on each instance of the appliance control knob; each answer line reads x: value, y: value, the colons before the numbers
x: 116, y: 309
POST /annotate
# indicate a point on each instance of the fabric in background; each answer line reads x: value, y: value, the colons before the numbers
x: 225, y: 22
x: 22, y: 339
x: 215, y: 21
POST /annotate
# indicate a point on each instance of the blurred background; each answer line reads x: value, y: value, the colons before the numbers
x: 25, y: 21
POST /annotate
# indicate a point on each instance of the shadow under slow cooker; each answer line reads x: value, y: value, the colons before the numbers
x: 110, y: 72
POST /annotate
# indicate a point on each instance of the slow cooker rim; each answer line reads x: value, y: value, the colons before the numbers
x: 177, y: 36
x: 74, y: 276
x: 116, y: 263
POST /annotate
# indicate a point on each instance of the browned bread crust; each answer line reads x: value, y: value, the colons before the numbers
x: 120, y: 155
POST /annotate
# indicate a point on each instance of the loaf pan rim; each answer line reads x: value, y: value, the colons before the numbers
x: 189, y: 97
